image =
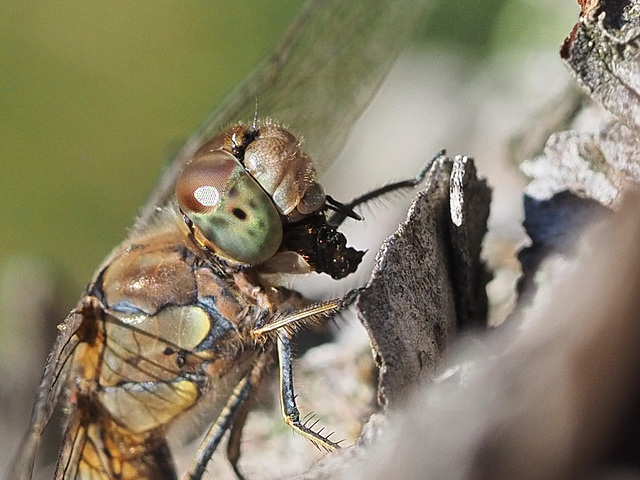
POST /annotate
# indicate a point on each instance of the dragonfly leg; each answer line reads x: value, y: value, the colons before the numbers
x: 290, y: 411
x: 235, y: 435
x: 234, y: 409
x: 310, y: 314
x: 218, y: 429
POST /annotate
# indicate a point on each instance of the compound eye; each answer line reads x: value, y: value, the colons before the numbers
x: 204, y: 181
x: 231, y: 214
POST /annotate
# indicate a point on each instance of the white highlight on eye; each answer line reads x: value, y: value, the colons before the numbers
x: 207, y: 195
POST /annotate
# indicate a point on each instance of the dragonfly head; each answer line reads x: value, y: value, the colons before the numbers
x: 251, y: 197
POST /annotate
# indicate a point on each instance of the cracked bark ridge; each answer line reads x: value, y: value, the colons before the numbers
x: 428, y: 280
x: 602, y: 51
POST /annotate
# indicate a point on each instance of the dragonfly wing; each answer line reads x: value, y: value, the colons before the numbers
x: 53, y: 378
x: 317, y: 83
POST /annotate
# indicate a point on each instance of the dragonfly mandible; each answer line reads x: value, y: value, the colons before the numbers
x: 183, y: 301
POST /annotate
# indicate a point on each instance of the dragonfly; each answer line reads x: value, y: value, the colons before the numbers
x: 185, y: 310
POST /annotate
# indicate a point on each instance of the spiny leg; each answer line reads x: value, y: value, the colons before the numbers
x: 282, y: 327
x: 314, y: 313
x: 290, y: 411
x: 218, y: 429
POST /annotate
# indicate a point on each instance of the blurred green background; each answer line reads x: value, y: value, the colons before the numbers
x: 96, y: 96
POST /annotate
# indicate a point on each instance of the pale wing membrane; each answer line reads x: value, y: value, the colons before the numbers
x: 80, y: 439
x: 84, y: 453
x: 324, y: 74
x: 142, y: 384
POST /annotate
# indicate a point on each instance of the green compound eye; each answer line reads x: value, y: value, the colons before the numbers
x: 229, y: 209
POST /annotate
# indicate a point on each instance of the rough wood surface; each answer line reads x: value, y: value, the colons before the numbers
x: 428, y: 279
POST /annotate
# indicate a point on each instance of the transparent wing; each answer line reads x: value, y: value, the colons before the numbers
x: 49, y: 390
x: 324, y: 74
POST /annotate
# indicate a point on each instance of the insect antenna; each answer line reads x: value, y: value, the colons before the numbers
x: 341, y: 208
